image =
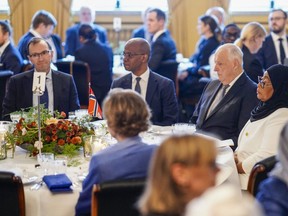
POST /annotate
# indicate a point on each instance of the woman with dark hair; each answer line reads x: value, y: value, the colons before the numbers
x: 189, y: 79
x: 259, y: 138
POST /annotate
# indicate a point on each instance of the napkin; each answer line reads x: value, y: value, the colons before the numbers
x: 58, y: 183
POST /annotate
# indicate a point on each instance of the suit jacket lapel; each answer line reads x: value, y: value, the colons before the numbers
x: 57, y: 87
x: 127, y: 82
x: 27, y: 89
x: 151, y: 87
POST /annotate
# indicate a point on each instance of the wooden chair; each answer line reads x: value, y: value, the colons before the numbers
x: 12, y: 200
x: 4, y: 77
x: 81, y: 74
x: 169, y: 69
x: 117, y: 197
x: 259, y: 173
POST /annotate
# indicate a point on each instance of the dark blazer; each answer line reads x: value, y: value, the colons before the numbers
x: 24, y: 40
x: 162, y: 49
x: 139, y: 32
x: 11, y: 60
x: 160, y: 96
x: 100, y: 60
x: 72, y: 42
x: 231, y: 114
x: 267, y: 54
x: 251, y: 65
x: 19, y: 93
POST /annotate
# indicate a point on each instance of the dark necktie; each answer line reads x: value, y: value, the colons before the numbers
x: 44, y: 99
x: 218, y: 98
x: 137, y: 86
x: 282, y: 52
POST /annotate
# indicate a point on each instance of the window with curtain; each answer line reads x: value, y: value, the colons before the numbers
x: 122, y: 5
x: 4, y: 7
x: 248, y: 6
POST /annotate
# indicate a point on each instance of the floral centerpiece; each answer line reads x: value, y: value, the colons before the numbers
x: 58, y: 135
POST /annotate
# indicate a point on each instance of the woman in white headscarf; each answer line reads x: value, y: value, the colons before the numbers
x: 273, y: 191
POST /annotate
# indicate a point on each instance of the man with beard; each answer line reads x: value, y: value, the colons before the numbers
x: 275, y: 47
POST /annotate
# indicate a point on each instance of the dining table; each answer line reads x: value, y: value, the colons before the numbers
x: 43, y: 202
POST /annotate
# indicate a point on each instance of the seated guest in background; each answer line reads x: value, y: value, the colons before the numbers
x: 273, y: 191
x: 42, y: 25
x: 99, y: 58
x: 189, y: 84
x: 182, y: 168
x: 250, y: 41
x: 163, y: 47
x: 230, y: 33
x: 219, y: 13
x: 158, y: 91
x: 224, y: 200
x: 142, y: 31
x: 10, y: 58
x: 86, y: 16
x: 127, y: 115
x: 225, y: 104
x: 60, y: 93
x: 259, y: 138
x: 275, y: 46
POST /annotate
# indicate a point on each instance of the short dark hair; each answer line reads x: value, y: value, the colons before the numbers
x: 159, y: 13
x: 87, y: 32
x: 43, y: 16
x: 5, y: 27
x: 284, y: 13
x: 36, y: 40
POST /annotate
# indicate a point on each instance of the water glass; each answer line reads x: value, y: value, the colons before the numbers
x: 92, y: 144
x: 60, y: 164
x: 80, y: 113
x: 183, y: 128
x: 15, y: 117
x: 46, y: 161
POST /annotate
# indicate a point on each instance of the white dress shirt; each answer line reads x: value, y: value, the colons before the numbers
x: 143, y: 82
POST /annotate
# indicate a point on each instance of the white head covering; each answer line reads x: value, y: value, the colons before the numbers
x: 224, y: 200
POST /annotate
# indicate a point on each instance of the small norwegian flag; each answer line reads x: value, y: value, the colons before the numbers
x: 94, y: 108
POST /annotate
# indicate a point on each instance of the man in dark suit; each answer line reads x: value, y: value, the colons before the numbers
x: 225, y: 104
x: 271, y: 53
x: 158, y: 91
x: 142, y: 31
x: 163, y: 47
x: 60, y: 88
x: 10, y: 58
x: 86, y: 16
x: 100, y: 60
x: 43, y: 24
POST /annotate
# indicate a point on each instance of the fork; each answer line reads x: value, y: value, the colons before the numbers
x: 37, y: 186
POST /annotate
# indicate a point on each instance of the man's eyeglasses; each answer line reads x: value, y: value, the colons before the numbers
x: 130, y: 55
x: 276, y: 18
x: 262, y: 83
x: 38, y: 55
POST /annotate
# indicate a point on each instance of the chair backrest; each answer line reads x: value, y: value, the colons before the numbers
x: 81, y: 74
x: 117, y: 197
x: 169, y: 69
x: 259, y: 173
x: 4, y: 77
x: 12, y: 200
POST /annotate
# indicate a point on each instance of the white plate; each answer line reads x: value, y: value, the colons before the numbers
x: 163, y: 130
x: 29, y: 180
x: 82, y: 177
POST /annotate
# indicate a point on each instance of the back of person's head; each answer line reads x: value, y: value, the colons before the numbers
x: 213, y: 25
x: 5, y: 27
x: 230, y: 33
x: 218, y: 12
x: 43, y: 16
x: 170, y: 182
x: 160, y: 15
x: 87, y: 32
x: 126, y: 111
x: 225, y: 200
x: 250, y: 31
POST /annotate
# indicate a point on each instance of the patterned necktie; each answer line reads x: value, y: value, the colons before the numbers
x: 44, y: 99
x: 282, y: 52
x: 137, y: 86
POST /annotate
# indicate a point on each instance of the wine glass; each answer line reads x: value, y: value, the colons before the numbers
x: 15, y: 117
x: 46, y: 161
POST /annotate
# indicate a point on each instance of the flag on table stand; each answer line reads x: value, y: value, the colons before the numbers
x: 94, y: 108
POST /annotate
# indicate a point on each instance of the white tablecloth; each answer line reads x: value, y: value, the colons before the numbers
x: 43, y: 202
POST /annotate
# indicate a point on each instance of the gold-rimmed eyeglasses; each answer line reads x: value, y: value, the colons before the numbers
x: 38, y: 55
x: 262, y: 82
x: 130, y: 55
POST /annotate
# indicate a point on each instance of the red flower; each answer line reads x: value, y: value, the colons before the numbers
x: 61, y: 142
x: 63, y: 114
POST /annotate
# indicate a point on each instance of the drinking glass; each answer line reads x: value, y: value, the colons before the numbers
x: 183, y: 128
x: 46, y: 161
x: 92, y: 144
x: 15, y: 117
x: 60, y: 164
x: 80, y: 113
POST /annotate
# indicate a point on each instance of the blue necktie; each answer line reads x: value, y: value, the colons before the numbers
x: 282, y: 52
x: 137, y: 86
x: 44, y: 99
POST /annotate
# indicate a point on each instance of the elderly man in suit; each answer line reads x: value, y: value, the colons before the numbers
x: 163, y: 47
x: 86, y: 16
x: 42, y: 25
x: 225, y: 104
x: 61, y: 93
x: 275, y: 47
x: 158, y: 91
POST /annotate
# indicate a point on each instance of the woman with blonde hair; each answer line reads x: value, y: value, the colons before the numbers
x: 250, y: 41
x: 183, y: 167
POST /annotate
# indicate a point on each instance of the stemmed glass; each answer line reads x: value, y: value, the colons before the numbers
x: 15, y: 117
x: 46, y: 161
